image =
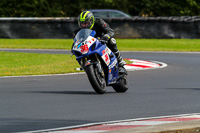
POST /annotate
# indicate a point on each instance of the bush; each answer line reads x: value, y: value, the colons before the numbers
x: 72, y: 8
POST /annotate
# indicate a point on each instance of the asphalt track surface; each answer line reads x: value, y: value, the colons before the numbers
x: 37, y: 103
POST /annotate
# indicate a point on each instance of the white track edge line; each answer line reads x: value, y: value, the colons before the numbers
x: 25, y: 76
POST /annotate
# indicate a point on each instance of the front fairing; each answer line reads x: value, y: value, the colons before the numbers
x: 98, y: 50
x: 83, y: 47
x: 83, y: 42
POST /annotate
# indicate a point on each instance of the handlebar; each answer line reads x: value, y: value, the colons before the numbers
x: 101, y: 40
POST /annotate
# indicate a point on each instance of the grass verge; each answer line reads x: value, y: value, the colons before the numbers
x: 36, y: 43
x: 123, y: 44
x: 188, y: 45
x: 15, y: 64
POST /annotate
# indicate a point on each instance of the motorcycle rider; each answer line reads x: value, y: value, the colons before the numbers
x: 86, y: 20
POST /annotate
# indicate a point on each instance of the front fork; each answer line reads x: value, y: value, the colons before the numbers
x: 84, y: 62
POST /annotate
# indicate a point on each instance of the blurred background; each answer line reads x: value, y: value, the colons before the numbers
x: 128, y: 18
x: 72, y: 8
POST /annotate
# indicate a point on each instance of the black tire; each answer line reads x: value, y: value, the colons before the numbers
x: 96, y: 80
x: 121, y: 85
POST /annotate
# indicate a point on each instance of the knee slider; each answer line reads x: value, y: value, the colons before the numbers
x: 112, y: 41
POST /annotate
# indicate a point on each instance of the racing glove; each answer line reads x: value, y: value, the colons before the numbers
x: 106, y: 37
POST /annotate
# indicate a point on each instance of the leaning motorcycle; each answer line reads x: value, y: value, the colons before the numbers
x: 99, y: 62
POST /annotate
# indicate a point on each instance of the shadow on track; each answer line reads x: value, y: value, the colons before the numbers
x: 69, y: 92
x: 66, y: 92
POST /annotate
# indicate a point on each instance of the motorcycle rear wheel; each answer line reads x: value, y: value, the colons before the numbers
x: 121, y: 85
x: 96, y: 80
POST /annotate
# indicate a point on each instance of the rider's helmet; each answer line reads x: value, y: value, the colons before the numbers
x: 86, y: 20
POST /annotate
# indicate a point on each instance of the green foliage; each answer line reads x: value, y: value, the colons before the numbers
x: 164, y: 7
x: 72, y: 8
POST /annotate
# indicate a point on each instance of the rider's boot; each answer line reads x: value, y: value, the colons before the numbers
x: 121, y: 63
x: 120, y: 60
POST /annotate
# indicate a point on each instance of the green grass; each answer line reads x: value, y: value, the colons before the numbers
x: 36, y: 43
x: 159, y: 44
x: 123, y: 44
x: 13, y: 64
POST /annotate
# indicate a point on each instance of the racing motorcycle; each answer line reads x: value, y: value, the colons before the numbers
x: 99, y: 62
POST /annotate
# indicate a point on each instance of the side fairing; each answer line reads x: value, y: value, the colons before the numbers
x: 112, y: 71
x: 111, y: 61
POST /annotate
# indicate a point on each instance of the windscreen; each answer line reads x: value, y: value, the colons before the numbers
x: 83, y: 34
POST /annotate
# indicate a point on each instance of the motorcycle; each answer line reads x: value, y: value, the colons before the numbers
x: 99, y: 62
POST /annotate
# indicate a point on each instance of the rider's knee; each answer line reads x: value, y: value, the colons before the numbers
x: 112, y: 45
x: 112, y: 41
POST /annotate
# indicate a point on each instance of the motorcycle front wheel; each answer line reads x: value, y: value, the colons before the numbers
x: 96, y: 79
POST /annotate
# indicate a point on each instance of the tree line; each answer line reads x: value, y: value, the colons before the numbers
x: 72, y: 8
